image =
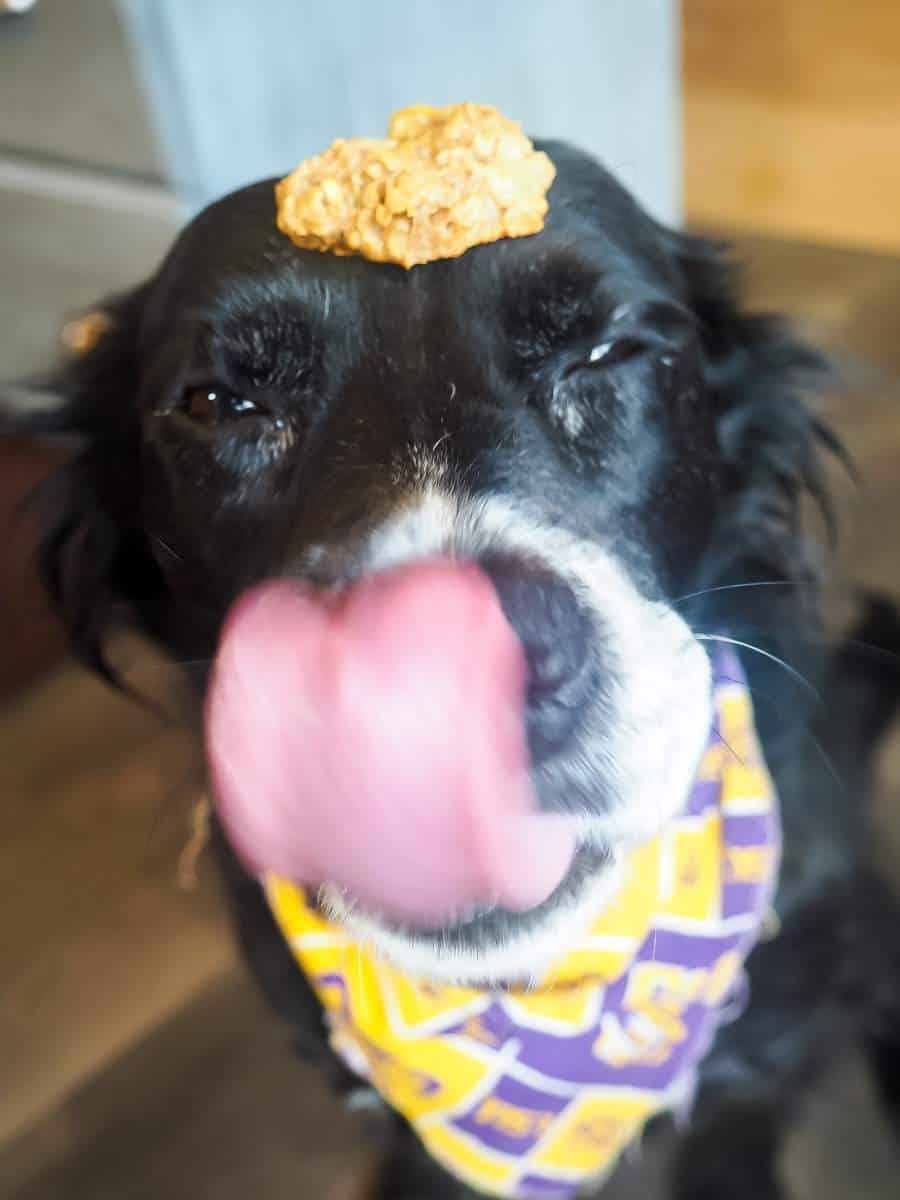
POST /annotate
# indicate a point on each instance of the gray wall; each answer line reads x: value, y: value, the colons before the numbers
x: 246, y: 88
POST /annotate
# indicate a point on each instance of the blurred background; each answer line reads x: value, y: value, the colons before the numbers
x: 136, y: 1058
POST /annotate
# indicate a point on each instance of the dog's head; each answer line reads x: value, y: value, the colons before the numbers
x: 585, y: 413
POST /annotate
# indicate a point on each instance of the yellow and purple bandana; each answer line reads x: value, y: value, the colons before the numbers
x: 534, y: 1092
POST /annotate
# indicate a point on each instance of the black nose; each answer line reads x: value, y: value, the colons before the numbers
x: 555, y: 632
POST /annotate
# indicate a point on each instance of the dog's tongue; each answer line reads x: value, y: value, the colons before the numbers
x: 376, y: 741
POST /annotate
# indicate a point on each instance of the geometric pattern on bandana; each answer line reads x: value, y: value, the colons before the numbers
x: 534, y: 1092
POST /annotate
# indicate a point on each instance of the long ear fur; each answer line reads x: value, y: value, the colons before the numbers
x: 92, y: 558
x: 760, y: 375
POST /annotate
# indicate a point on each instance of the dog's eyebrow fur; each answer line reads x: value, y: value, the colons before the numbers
x: 275, y: 344
x: 551, y: 301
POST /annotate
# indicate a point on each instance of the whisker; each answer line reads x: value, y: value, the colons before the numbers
x: 826, y: 760
x: 837, y: 641
x: 733, y: 587
x: 807, y: 733
x: 718, y: 637
x: 165, y: 545
x: 731, y: 750
x: 874, y: 651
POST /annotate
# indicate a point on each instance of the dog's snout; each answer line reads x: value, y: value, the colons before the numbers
x: 555, y: 633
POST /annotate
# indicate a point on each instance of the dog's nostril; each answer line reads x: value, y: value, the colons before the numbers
x: 555, y: 633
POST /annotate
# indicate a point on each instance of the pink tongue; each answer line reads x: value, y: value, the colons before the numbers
x: 376, y: 741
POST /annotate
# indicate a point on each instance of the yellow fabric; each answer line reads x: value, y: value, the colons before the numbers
x: 532, y: 1091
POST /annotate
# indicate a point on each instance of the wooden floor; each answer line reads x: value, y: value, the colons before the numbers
x: 137, y: 1061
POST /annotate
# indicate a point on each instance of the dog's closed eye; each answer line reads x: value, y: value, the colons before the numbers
x: 587, y: 393
x: 615, y: 351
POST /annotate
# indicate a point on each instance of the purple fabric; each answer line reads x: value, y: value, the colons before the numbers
x: 652, y: 1042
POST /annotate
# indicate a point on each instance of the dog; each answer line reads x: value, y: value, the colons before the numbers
x: 589, y: 416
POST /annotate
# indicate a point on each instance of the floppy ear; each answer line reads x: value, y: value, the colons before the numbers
x: 92, y: 556
x: 760, y: 376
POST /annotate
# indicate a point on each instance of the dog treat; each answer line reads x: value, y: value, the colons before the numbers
x: 444, y: 180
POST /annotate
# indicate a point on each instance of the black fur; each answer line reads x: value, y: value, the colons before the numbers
x: 145, y: 525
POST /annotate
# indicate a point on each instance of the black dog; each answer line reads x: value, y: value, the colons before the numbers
x: 588, y: 414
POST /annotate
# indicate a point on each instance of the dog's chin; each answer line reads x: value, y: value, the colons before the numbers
x: 488, y: 946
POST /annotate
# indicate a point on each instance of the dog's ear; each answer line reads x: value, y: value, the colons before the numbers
x: 761, y: 376
x: 759, y: 580
x: 92, y: 556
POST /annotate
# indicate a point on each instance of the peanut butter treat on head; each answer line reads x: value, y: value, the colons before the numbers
x: 444, y: 180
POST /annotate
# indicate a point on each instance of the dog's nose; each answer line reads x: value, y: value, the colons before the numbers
x: 555, y: 633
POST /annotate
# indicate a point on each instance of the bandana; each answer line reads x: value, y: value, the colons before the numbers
x: 534, y: 1092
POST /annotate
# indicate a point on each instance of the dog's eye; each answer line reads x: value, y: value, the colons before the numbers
x: 585, y: 391
x: 209, y: 405
x: 615, y: 351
